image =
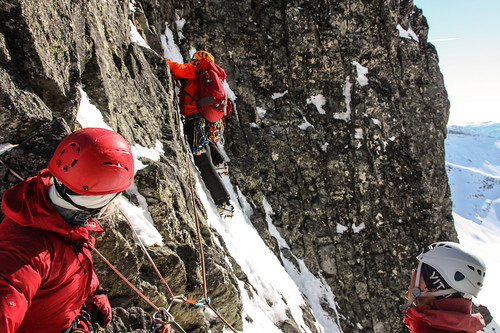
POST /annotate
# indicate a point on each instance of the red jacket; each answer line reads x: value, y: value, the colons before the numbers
x: 188, y: 96
x: 444, y: 316
x: 46, y: 270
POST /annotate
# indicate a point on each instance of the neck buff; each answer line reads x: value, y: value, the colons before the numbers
x: 74, y: 215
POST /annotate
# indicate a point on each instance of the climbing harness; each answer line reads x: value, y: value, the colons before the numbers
x: 200, y: 138
x: 84, y: 323
x: 205, y: 132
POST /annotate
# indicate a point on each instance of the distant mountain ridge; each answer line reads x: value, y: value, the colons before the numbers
x: 473, y: 167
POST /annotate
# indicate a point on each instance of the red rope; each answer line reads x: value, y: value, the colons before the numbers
x: 202, y: 255
x: 127, y: 281
x: 205, y: 293
x: 151, y: 261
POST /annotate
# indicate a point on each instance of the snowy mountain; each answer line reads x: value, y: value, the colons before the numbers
x: 473, y: 166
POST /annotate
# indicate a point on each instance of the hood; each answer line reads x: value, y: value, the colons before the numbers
x: 451, y: 314
x: 27, y: 204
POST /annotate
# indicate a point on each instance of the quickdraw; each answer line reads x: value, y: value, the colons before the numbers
x: 163, y: 321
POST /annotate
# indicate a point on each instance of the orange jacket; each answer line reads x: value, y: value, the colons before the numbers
x: 189, y: 88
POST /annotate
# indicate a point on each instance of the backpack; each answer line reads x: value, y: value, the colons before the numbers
x: 212, y: 101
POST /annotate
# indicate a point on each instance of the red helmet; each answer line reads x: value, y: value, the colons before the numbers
x: 93, y: 161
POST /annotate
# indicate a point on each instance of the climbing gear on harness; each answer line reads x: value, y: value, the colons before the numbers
x: 216, y: 132
x: 163, y: 321
x: 83, y: 323
x: 93, y: 161
x: 200, y: 137
x: 205, y: 132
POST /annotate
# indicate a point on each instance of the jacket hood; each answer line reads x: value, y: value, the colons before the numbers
x: 446, y: 315
x: 27, y: 204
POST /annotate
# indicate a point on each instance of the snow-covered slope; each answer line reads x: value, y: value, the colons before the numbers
x: 473, y: 166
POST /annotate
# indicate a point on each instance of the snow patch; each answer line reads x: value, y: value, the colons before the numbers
x: 170, y: 49
x: 88, y: 114
x: 136, y: 37
x: 408, y: 34
x: 346, y: 116
x: 279, y: 95
x: 305, y: 125
x: 358, y: 133
x: 357, y: 229
x: 261, y: 112
x: 341, y: 228
x: 361, y: 72
x: 319, y: 101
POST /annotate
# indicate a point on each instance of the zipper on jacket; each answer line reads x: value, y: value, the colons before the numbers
x: 76, y: 253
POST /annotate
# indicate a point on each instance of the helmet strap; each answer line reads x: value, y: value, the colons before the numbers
x: 417, y: 292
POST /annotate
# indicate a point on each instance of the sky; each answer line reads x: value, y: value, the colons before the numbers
x: 465, y: 35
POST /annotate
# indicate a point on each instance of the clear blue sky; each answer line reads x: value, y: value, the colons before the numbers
x: 466, y: 36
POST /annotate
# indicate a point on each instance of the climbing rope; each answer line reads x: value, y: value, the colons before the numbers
x: 202, y: 255
x: 161, y: 323
x: 198, y: 232
x: 172, y: 297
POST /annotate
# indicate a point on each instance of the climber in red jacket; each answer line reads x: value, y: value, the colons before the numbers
x: 46, y: 270
x: 441, y: 288
x: 208, y: 158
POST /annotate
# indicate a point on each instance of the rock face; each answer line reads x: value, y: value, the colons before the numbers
x: 339, y: 125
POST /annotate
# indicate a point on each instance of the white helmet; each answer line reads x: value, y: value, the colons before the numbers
x: 463, y: 271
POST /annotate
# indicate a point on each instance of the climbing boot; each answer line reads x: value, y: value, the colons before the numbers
x: 222, y: 168
x: 226, y: 209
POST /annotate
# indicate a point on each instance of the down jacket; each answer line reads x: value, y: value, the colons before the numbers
x: 444, y: 316
x: 46, y: 270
